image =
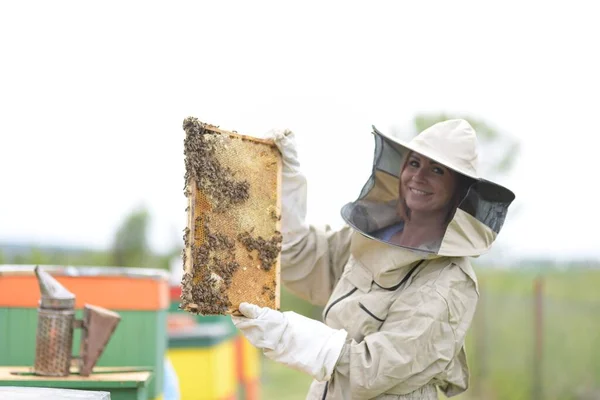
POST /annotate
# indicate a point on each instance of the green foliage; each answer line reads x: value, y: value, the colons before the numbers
x: 503, y: 338
x: 37, y: 257
x: 90, y: 258
x: 283, y: 383
x: 130, y: 246
x: 21, y: 259
x: 41, y: 256
x: 290, y: 302
x: 130, y: 249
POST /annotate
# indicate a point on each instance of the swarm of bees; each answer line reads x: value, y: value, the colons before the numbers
x: 232, y: 241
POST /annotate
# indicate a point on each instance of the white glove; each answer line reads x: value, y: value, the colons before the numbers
x: 293, y: 189
x: 292, y: 339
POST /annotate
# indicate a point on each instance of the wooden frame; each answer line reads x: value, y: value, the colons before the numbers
x: 233, y: 236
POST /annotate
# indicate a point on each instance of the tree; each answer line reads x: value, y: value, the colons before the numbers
x: 130, y: 247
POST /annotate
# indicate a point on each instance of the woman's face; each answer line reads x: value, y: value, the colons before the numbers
x: 426, y: 185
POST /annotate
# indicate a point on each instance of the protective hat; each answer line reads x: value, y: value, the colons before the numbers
x: 480, y: 213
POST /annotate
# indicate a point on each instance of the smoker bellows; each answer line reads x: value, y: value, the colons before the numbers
x: 232, y: 241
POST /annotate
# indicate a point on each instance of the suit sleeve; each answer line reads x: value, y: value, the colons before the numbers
x: 311, y: 267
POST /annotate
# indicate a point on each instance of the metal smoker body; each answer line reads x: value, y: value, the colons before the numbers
x: 56, y: 324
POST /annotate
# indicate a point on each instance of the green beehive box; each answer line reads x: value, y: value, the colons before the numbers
x: 139, y: 296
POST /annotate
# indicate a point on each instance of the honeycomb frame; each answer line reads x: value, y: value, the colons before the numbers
x: 233, y: 238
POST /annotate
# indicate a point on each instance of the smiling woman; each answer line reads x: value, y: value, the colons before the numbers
x: 398, y: 289
x: 416, y: 188
x: 429, y: 193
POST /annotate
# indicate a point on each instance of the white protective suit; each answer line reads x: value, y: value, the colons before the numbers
x: 395, y: 319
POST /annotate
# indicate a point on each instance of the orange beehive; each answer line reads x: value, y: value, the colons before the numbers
x: 232, y: 241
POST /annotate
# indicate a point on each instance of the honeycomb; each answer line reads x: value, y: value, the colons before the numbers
x: 233, y: 239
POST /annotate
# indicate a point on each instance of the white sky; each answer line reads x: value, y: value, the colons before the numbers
x: 93, y: 94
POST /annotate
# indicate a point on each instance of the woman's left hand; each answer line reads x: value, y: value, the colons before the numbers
x: 292, y: 339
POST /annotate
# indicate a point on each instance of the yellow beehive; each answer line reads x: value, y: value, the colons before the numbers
x: 232, y: 241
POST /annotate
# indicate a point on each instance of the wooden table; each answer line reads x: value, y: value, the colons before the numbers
x: 122, y: 383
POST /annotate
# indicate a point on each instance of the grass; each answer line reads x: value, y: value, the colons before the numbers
x: 283, y: 383
x: 503, y: 341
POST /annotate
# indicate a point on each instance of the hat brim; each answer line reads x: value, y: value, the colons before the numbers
x: 439, y: 158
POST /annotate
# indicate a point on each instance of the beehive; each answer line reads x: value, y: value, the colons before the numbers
x: 232, y: 241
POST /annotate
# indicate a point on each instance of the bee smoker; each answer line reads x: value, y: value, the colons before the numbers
x: 56, y: 325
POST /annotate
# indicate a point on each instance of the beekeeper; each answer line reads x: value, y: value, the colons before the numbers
x: 397, y: 285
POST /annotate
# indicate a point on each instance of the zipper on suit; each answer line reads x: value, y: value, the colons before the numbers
x: 325, y: 317
x: 325, y: 392
x: 406, y: 277
x: 364, y: 308
x: 337, y: 301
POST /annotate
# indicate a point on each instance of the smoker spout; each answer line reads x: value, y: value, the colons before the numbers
x: 54, y: 295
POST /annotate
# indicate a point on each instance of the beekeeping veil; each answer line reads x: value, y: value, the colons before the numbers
x: 481, y: 210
